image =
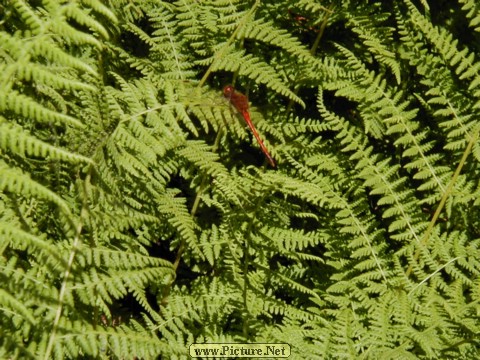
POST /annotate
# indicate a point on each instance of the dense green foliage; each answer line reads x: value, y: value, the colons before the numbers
x: 136, y: 217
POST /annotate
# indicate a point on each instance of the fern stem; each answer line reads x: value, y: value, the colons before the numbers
x: 432, y: 274
x: 196, y: 202
x: 75, y: 246
x: 313, y: 49
x: 246, y: 318
x: 246, y: 264
x: 423, y: 243
x: 323, y: 25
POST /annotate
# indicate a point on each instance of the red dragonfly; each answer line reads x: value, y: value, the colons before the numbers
x: 240, y: 103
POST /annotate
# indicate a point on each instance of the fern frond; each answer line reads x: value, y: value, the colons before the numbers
x: 267, y: 33
x: 473, y: 13
x: 463, y: 61
x: 15, y: 139
x: 29, y: 108
x: 135, y: 219
x: 15, y: 181
x: 249, y: 66
x: 374, y: 37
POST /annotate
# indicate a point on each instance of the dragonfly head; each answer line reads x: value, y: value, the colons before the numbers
x: 228, y: 91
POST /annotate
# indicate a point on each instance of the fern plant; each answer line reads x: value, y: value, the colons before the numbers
x: 138, y: 216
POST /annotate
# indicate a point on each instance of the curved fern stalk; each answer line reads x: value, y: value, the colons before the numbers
x: 438, y: 270
x: 461, y: 123
x: 443, y: 81
x: 76, y: 245
x: 426, y: 237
